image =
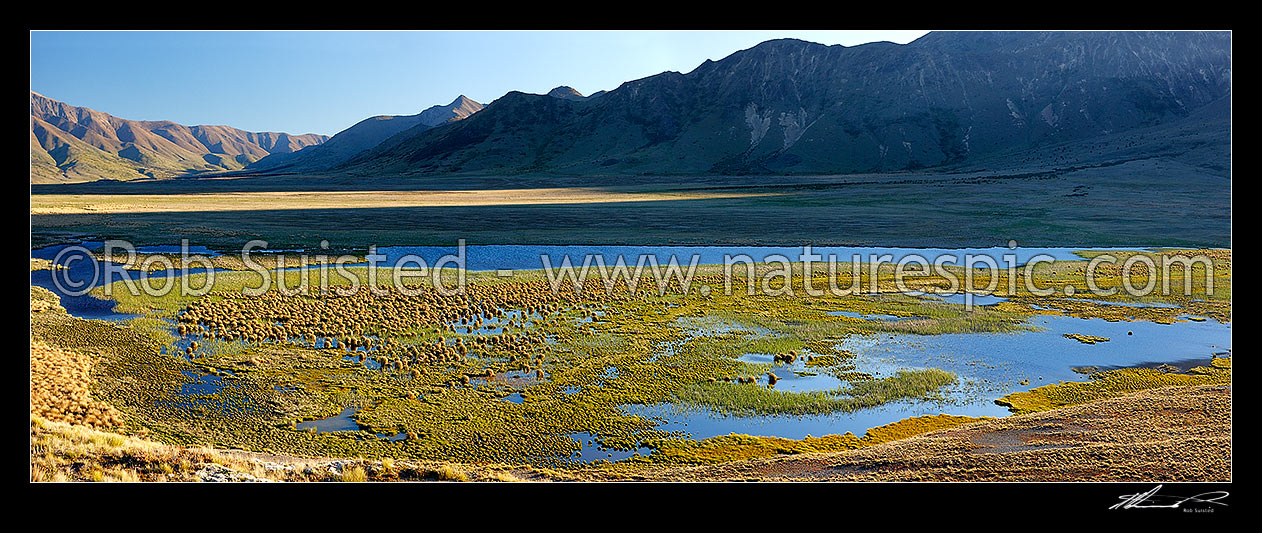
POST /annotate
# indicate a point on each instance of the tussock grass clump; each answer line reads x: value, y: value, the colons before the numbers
x: 61, y: 388
x: 354, y: 474
x: 821, y: 361
x: 449, y: 473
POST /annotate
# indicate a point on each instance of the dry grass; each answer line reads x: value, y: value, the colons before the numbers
x: 62, y: 452
x: 53, y: 204
x: 354, y: 474
x: 68, y: 452
x: 502, y: 476
x: 44, y: 264
x: 61, y: 388
x: 45, y: 301
x: 450, y: 473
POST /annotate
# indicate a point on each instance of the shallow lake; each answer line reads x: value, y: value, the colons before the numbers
x: 81, y: 272
x: 530, y: 257
x: 988, y: 366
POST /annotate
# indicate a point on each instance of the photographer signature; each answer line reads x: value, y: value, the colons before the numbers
x: 1152, y: 500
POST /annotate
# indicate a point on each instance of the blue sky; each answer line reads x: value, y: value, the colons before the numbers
x: 322, y: 82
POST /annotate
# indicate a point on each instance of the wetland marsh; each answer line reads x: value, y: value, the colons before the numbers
x: 515, y: 372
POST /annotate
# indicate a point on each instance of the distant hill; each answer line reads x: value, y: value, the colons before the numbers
x: 364, y: 135
x: 794, y: 107
x: 566, y: 92
x: 71, y: 143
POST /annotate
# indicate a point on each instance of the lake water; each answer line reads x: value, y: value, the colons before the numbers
x: 531, y: 257
x: 82, y: 272
x: 988, y: 366
x: 85, y: 272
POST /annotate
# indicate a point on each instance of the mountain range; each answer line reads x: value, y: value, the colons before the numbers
x: 946, y: 100
x: 795, y: 107
x: 71, y: 143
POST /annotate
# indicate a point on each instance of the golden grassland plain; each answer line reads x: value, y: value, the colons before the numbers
x: 69, y: 204
x: 513, y: 373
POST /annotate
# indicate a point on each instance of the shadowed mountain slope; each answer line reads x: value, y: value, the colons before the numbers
x: 364, y: 135
x: 793, y: 107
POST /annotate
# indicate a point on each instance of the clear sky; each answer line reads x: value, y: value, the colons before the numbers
x: 323, y: 82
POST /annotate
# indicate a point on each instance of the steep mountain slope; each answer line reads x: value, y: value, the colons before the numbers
x: 364, y: 135
x: 71, y: 143
x: 790, y: 106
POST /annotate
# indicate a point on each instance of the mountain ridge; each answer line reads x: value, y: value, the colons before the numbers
x: 72, y: 143
x: 365, y: 135
x: 795, y: 107
x: 785, y: 106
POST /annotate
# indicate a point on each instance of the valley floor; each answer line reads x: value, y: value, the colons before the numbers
x: 1110, y: 205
